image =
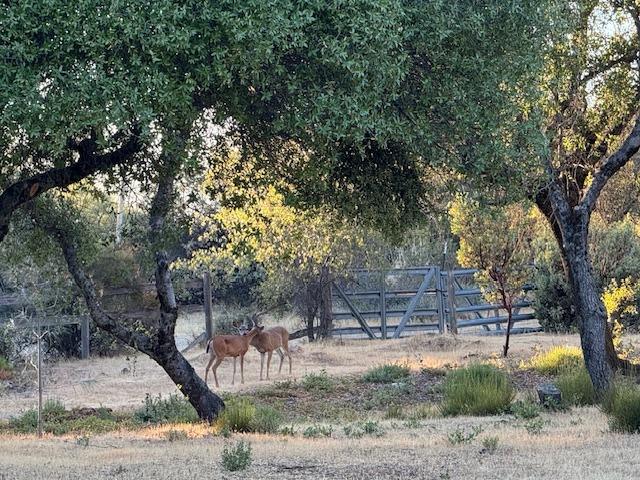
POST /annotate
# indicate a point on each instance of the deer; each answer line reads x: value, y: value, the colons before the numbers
x: 222, y: 346
x: 266, y: 341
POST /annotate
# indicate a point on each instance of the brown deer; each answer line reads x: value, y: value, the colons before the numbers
x: 222, y: 346
x: 266, y: 341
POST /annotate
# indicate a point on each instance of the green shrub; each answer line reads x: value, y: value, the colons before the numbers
x: 461, y: 435
x: 552, y: 302
x: 318, y: 382
x: 174, y: 408
x: 266, y: 420
x: 239, y: 415
x: 5, y: 364
x: 476, y: 390
x: 576, y: 387
x: 287, y: 430
x: 489, y: 444
x: 387, y: 373
x: 59, y: 421
x: 534, y: 426
x: 359, y: 429
x: 394, y: 411
x: 557, y: 360
x: 237, y: 457
x: 316, y: 431
x: 525, y: 409
x: 623, y: 408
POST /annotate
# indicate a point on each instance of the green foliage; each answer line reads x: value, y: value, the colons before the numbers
x: 490, y: 444
x: 622, y: 405
x: 317, y: 431
x: 318, y: 382
x: 557, y: 360
x: 6, y: 369
x: 387, y: 373
x: 576, y: 387
x: 287, y: 430
x: 239, y: 415
x: 360, y: 429
x: 266, y: 420
x: 525, y: 409
x: 476, y: 390
x: 60, y: 421
x: 394, y: 411
x: 464, y: 436
x: 552, y: 301
x: 174, y: 408
x: 237, y: 457
x: 534, y: 426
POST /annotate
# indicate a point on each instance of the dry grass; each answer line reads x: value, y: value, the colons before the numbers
x: 122, y: 382
x: 418, y: 450
x: 423, y: 452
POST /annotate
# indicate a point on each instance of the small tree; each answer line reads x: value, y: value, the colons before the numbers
x: 497, y: 242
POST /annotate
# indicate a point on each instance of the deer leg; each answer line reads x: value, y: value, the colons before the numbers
x: 269, y: 362
x: 215, y: 368
x: 261, y: 364
x: 212, y: 359
x: 286, y: 350
x: 233, y: 379
x: 242, y: 368
x: 281, y: 355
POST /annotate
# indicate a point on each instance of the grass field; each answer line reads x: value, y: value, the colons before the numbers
x: 575, y: 443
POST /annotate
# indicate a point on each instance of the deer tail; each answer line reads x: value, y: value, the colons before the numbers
x: 208, y: 345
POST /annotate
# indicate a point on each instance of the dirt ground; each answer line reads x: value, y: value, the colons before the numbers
x: 573, y: 444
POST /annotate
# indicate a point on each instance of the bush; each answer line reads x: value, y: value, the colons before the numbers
x: 175, y: 408
x: 623, y: 408
x: 490, y: 444
x: 6, y: 369
x: 387, y: 373
x: 238, y: 415
x: 358, y: 430
x: 576, y: 387
x: 316, y: 431
x: 552, y: 302
x: 318, y: 382
x: 266, y: 420
x: 557, y: 360
x: 236, y: 458
x: 525, y: 410
x: 460, y: 435
x: 59, y: 421
x: 476, y: 390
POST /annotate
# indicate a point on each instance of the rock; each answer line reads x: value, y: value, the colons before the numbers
x: 549, y: 394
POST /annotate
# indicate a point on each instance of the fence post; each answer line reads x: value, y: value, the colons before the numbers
x: 453, y: 322
x: 383, y: 306
x: 208, y: 307
x: 84, y: 335
x: 440, y: 301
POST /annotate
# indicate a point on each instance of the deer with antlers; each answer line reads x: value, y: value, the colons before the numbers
x: 222, y: 346
x: 266, y: 341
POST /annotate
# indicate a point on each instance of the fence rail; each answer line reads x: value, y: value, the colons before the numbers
x: 442, y: 300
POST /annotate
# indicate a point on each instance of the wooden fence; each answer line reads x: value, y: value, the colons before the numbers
x: 391, y: 303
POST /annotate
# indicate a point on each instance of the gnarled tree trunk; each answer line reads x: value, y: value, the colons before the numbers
x: 326, y: 311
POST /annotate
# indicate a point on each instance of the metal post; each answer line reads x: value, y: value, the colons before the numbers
x: 208, y: 307
x: 440, y: 301
x: 84, y: 335
x: 39, y: 336
x: 383, y: 306
x: 453, y: 322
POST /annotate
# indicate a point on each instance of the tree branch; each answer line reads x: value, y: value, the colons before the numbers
x: 611, y: 165
x: 23, y: 191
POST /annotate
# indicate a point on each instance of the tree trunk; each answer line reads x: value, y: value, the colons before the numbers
x: 311, y: 316
x: 206, y: 403
x: 326, y: 311
x: 505, y: 349
x: 592, y: 318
